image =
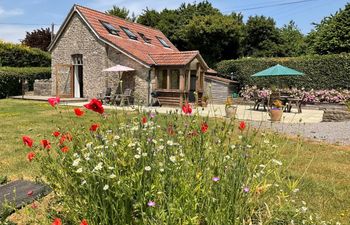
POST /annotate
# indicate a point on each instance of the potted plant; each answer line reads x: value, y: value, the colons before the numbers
x: 276, y: 111
x: 230, y: 109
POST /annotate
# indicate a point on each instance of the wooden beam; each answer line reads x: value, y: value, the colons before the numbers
x: 156, y: 73
x: 182, y: 85
x: 189, y: 79
x: 198, y: 74
x: 168, y: 79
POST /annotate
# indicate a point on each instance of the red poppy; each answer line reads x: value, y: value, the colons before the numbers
x: 57, y: 221
x: 46, y: 144
x: 56, y: 133
x: 95, y: 105
x: 144, y: 120
x: 30, y: 156
x: 242, y: 126
x: 30, y: 193
x: 27, y: 141
x: 84, y: 222
x: 78, y: 112
x: 54, y: 101
x: 204, y: 127
x: 94, y: 127
x: 65, y: 149
x: 187, y: 109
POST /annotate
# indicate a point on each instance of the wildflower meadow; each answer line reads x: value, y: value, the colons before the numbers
x: 149, y: 168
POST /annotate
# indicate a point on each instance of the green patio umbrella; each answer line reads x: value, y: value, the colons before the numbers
x: 278, y: 70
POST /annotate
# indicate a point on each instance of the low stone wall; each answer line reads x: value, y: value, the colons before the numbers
x: 43, y: 87
x: 335, y: 115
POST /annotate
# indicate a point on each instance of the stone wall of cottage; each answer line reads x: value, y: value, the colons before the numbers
x: 78, y: 39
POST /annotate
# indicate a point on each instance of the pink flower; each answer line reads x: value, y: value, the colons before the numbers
x: 151, y: 204
x: 54, y: 101
x: 216, y: 179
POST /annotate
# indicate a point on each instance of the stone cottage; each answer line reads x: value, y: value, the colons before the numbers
x: 90, y: 41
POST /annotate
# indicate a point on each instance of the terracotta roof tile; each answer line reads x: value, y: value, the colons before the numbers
x: 137, y: 48
x: 174, y: 58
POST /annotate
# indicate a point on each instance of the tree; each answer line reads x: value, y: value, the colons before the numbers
x: 332, y: 35
x: 120, y: 12
x: 170, y: 22
x: 217, y: 36
x: 40, y: 38
x: 262, y: 38
x: 149, y: 18
x: 292, y: 40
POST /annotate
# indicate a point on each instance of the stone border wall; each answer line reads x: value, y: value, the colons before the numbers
x: 43, y: 87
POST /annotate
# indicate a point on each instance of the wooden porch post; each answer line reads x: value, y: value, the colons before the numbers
x: 155, y: 79
x: 189, y: 79
x: 182, y: 85
x: 198, y: 75
x: 168, y: 79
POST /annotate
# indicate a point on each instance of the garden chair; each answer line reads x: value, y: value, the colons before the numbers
x: 258, y: 100
x: 125, y: 97
x: 107, y: 97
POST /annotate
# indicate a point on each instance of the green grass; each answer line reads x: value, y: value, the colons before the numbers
x: 323, y: 169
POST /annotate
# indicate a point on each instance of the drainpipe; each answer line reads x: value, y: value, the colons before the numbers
x: 149, y: 87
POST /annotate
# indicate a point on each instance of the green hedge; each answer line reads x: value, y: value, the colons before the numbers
x: 321, y: 72
x: 16, y: 55
x: 10, y: 78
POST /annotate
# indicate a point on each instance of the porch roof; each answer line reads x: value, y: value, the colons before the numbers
x: 177, y: 58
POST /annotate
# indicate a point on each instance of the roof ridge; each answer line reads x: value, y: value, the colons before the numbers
x: 128, y: 21
x: 179, y: 52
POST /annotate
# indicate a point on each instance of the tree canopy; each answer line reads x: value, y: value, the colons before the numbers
x: 201, y: 26
x: 332, y: 35
x: 40, y: 38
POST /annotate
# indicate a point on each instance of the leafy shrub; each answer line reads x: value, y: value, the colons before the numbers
x: 16, y: 55
x: 167, y: 169
x: 321, y: 72
x: 10, y: 78
x: 310, y: 97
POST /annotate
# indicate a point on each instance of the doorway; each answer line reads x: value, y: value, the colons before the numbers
x: 193, y: 81
x: 78, y: 75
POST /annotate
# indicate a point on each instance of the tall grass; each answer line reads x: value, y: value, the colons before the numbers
x: 170, y: 169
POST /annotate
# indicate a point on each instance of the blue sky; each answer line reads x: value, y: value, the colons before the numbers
x: 19, y: 16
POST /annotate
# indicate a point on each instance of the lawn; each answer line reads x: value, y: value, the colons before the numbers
x: 322, y: 169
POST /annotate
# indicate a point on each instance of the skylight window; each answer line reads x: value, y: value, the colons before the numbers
x: 111, y: 29
x: 163, y: 42
x: 146, y: 39
x: 130, y: 34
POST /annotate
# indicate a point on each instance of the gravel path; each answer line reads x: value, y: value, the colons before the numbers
x: 331, y: 132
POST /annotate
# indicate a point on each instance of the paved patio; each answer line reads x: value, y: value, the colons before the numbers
x: 244, y: 112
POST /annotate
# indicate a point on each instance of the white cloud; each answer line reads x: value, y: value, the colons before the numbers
x: 15, y: 34
x: 11, y: 12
